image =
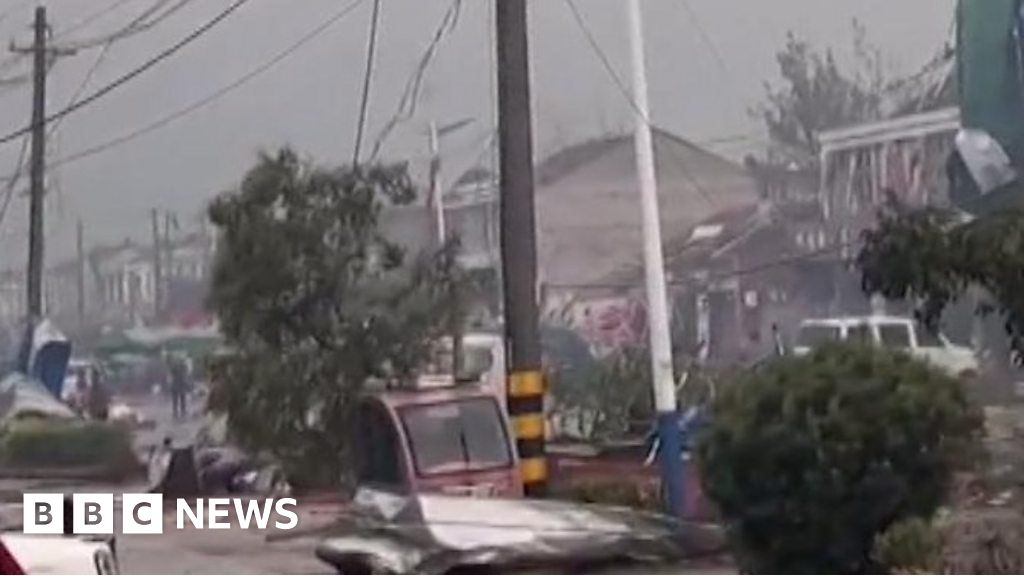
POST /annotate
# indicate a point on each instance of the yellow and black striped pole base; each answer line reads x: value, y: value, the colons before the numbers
x: 526, y: 410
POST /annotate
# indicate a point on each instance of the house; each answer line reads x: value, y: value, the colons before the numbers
x: 720, y: 223
x: 901, y: 159
x: 588, y: 208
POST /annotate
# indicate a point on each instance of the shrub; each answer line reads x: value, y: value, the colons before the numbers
x: 53, y: 444
x: 912, y: 546
x: 809, y: 459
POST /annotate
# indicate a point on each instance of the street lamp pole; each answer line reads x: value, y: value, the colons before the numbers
x: 654, y: 268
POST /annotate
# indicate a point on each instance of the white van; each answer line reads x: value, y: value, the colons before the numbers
x: 894, y: 332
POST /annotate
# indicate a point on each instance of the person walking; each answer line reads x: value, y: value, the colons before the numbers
x: 179, y: 387
x: 99, y: 396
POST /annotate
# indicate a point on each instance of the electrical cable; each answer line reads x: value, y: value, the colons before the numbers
x: 213, y: 96
x: 90, y: 18
x: 410, y: 96
x: 827, y: 251
x: 628, y: 95
x: 12, y: 181
x: 371, y: 51
x: 140, y: 24
x: 124, y: 79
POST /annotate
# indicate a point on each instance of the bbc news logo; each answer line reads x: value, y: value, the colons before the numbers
x: 94, y: 514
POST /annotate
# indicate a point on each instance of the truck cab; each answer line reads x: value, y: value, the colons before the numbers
x: 893, y: 332
x: 437, y: 437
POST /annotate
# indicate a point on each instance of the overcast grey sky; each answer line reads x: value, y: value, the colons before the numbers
x: 310, y: 100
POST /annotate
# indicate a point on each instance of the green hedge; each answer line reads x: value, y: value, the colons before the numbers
x: 104, y: 448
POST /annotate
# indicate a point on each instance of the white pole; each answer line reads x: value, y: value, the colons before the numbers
x: 436, y: 200
x: 654, y: 268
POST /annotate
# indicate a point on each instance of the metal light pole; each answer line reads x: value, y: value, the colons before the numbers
x: 654, y: 268
x: 436, y: 199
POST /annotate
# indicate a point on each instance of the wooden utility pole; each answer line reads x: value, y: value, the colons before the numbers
x: 525, y: 388
x: 80, y: 246
x: 38, y: 169
x: 158, y: 276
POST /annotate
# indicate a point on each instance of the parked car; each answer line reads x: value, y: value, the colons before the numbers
x: 893, y: 332
x: 24, y: 554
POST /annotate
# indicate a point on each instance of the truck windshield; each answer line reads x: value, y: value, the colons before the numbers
x: 812, y: 335
x: 462, y: 436
x: 894, y: 335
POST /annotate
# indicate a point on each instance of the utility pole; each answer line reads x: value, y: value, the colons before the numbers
x: 80, y: 246
x: 525, y: 387
x: 654, y: 268
x: 38, y: 169
x: 168, y: 245
x: 158, y: 276
x: 436, y: 202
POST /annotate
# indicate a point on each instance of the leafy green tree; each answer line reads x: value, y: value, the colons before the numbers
x: 810, y: 458
x: 931, y: 257
x: 314, y: 301
x: 816, y: 94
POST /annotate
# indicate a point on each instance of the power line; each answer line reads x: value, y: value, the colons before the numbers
x: 214, y: 96
x: 794, y: 259
x: 628, y: 95
x: 12, y: 181
x: 100, y: 58
x: 371, y: 51
x: 410, y: 96
x: 704, y: 36
x: 140, y: 24
x: 134, y: 73
x: 90, y: 18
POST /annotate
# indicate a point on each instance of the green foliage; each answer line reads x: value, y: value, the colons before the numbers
x: 816, y: 94
x: 911, y: 546
x: 314, y: 300
x: 49, y: 444
x: 931, y: 258
x: 610, y: 395
x: 809, y: 458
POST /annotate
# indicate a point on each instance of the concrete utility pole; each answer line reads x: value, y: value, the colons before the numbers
x: 654, y: 268
x: 518, y: 244
x: 158, y: 276
x: 80, y: 280
x: 436, y: 201
x: 38, y: 169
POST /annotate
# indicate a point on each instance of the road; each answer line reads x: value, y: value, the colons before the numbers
x: 230, y: 551
x: 233, y: 551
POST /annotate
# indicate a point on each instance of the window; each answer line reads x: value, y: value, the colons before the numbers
x: 476, y: 362
x: 928, y: 338
x: 816, y: 334
x: 894, y: 335
x: 860, y: 333
x: 379, y: 452
x: 461, y: 436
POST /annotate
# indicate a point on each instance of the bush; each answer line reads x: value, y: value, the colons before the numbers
x: 610, y: 396
x: 54, y: 444
x: 809, y: 459
x: 912, y: 546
